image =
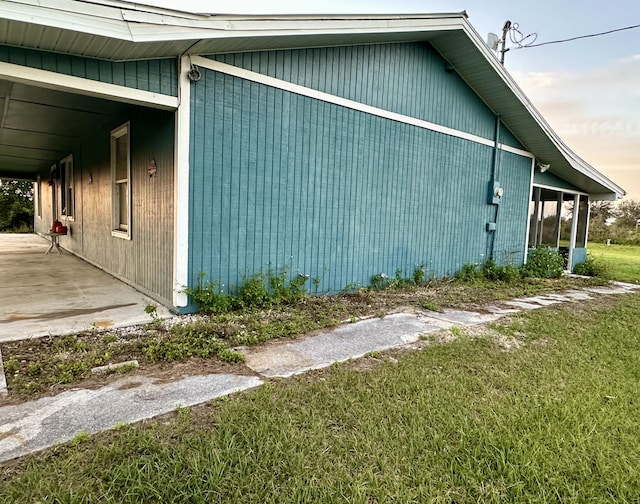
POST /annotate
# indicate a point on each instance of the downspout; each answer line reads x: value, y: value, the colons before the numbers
x: 495, y: 193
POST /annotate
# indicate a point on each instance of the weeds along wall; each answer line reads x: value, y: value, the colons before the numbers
x: 279, y: 179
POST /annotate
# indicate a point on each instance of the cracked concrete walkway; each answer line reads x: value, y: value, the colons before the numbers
x: 32, y: 426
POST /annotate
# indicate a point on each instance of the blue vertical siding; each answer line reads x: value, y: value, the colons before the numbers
x: 579, y: 256
x: 157, y: 76
x: 282, y: 180
x: 406, y: 78
x: 508, y: 138
x: 514, y: 174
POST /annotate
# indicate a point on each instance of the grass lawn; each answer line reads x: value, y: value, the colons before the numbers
x: 540, y: 407
x: 623, y: 260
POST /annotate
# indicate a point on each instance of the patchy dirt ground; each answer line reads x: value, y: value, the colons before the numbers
x: 49, y: 365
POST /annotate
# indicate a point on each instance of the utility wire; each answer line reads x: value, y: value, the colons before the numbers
x: 577, y: 38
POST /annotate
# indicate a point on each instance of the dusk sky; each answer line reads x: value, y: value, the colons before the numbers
x: 588, y: 89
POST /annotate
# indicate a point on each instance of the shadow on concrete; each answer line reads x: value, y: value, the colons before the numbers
x: 60, y: 294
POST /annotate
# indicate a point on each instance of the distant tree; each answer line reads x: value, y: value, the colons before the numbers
x: 600, y: 213
x: 601, y: 210
x: 627, y: 214
x: 16, y: 205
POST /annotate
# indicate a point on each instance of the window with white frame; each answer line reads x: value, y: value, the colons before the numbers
x: 121, y: 182
x: 67, y: 188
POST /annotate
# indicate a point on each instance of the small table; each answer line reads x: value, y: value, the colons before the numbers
x: 54, y: 242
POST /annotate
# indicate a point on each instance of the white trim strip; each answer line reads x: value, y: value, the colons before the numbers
x: 242, y: 73
x: 526, y: 238
x: 560, y: 189
x: 515, y: 150
x: 87, y: 87
x: 181, y: 187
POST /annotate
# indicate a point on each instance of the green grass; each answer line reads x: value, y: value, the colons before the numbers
x: 554, y: 419
x: 623, y: 260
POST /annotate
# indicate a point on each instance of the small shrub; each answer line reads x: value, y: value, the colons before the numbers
x: 253, y: 293
x: 228, y: 355
x: 544, y: 262
x: 209, y: 296
x: 380, y: 281
x: 419, y: 274
x: 593, y: 267
x: 506, y: 273
x: 468, y: 273
x: 72, y: 371
x: 11, y: 366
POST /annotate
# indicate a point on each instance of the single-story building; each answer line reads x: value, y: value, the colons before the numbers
x: 337, y: 146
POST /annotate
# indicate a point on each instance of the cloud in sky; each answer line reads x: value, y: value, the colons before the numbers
x: 596, y: 112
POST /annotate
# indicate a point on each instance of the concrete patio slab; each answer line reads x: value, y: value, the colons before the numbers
x: 626, y: 285
x: 497, y: 310
x: 608, y: 290
x: 351, y: 341
x: 3, y: 379
x: 523, y: 305
x: 60, y: 294
x: 462, y: 317
x: 36, y: 425
x: 578, y: 295
x: 541, y: 300
x: 560, y: 297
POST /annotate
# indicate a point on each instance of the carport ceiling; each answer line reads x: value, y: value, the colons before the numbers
x: 39, y: 126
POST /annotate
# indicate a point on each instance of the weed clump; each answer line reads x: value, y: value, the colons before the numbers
x: 254, y: 292
x: 544, y: 262
x: 593, y: 267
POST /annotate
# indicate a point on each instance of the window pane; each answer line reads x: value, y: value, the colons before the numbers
x: 63, y: 188
x: 122, y: 155
x: 581, y: 238
x: 123, y: 200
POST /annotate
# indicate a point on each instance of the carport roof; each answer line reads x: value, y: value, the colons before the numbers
x: 120, y: 31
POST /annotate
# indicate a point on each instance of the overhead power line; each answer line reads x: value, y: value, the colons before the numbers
x: 578, y: 38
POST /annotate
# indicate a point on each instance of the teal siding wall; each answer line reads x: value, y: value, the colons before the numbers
x: 549, y: 179
x: 514, y: 174
x: 508, y: 138
x: 579, y: 256
x: 157, y: 76
x: 279, y: 179
x: 409, y: 79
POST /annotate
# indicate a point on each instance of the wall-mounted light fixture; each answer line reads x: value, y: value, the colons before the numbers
x: 152, y: 168
x: 543, y: 167
x: 194, y: 73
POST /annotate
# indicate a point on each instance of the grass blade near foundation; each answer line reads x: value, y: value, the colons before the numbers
x: 541, y: 407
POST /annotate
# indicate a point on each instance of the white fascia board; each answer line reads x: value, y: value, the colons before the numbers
x: 83, y: 22
x: 131, y: 24
x: 87, y: 87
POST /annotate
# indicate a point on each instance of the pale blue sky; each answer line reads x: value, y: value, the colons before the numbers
x: 588, y: 90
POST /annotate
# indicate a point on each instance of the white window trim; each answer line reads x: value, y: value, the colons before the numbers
x: 69, y: 181
x: 116, y: 133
